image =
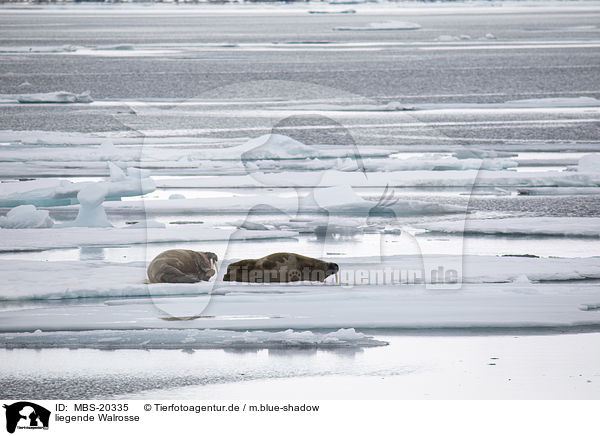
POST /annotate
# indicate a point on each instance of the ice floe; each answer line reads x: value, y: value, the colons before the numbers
x: 187, y: 339
x: 384, y: 25
x: 276, y: 146
x: 590, y: 163
x: 534, y: 103
x: 528, y: 226
x: 419, y: 178
x: 437, y: 164
x: 512, y: 305
x: 53, y: 97
x: 391, y: 106
x: 104, y: 279
x: 26, y: 217
x: 337, y: 199
x: 91, y: 213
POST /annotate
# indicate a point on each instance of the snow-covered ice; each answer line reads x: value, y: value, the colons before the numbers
x: 527, y: 226
x: 533, y: 103
x: 518, y: 305
x: 54, y: 97
x: 590, y: 163
x: 418, y: 178
x: 26, y: 217
x: 383, y: 25
x: 91, y: 212
x: 103, y: 279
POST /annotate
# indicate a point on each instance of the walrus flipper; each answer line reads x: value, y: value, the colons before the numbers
x: 170, y: 274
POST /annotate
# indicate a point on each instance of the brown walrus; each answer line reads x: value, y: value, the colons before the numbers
x: 182, y: 266
x: 280, y: 268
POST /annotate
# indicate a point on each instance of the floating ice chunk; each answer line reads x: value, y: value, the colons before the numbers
x: 589, y: 163
x: 26, y: 217
x: 115, y: 47
x: 553, y: 102
x: 25, y: 84
x: 385, y: 25
x: 69, y: 48
x: 91, y: 213
x: 522, y: 278
x: 55, y: 97
x: 345, y: 11
x: 490, y: 36
x: 188, y: 338
x: 176, y: 197
x: 557, y: 226
x: 437, y: 164
x: 391, y: 106
x: 447, y: 38
x: 465, y: 37
x: 249, y: 225
x: 275, y: 146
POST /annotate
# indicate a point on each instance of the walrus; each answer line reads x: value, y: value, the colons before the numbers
x: 280, y: 268
x: 182, y: 266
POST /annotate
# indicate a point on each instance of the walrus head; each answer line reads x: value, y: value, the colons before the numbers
x: 332, y: 268
x: 212, y: 260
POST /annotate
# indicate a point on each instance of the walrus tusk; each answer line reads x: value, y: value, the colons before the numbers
x: 337, y: 277
x: 216, y: 265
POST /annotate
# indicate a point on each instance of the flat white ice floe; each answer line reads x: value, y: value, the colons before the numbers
x: 339, y: 199
x: 72, y: 237
x: 187, y: 339
x: 55, y: 97
x: 103, y: 279
x: 437, y: 164
x: 391, y: 106
x: 589, y: 163
x: 528, y: 226
x: 535, y: 103
x: 384, y: 25
x: 276, y: 146
x: 513, y: 305
x: 26, y: 217
x: 420, y: 178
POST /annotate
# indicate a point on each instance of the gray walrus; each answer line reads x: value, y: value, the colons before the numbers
x: 182, y: 266
x: 278, y: 268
